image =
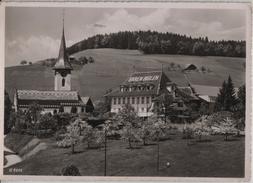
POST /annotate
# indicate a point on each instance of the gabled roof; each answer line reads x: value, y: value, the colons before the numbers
x: 63, y: 58
x: 156, y: 79
x: 48, y: 98
x: 190, y: 67
x: 206, y: 90
x: 187, y: 93
x: 85, y: 99
x: 47, y: 95
x: 208, y: 98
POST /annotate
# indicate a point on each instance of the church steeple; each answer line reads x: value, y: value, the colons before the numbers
x: 62, y: 67
x: 63, y: 58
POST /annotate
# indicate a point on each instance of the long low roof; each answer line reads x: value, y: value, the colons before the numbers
x: 47, y: 95
x: 208, y: 90
x: 49, y: 98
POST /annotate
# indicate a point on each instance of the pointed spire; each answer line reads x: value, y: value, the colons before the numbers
x: 63, y: 59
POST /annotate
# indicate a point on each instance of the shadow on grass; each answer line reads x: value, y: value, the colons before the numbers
x: 76, y: 152
x: 232, y: 139
x: 150, y: 144
x: 132, y: 148
x: 165, y: 139
x: 204, y: 140
x: 6, y: 153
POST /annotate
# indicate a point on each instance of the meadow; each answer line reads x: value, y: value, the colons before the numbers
x: 113, y: 66
x: 187, y: 158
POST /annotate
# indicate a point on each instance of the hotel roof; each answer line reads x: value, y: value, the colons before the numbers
x: 156, y: 79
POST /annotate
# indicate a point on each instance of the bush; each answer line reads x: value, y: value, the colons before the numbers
x: 47, y: 121
x: 188, y: 133
x: 60, y: 134
x: 64, y: 119
x: 65, y: 143
x: 218, y: 117
x: 70, y: 170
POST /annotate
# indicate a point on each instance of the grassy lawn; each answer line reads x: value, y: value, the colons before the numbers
x: 216, y: 158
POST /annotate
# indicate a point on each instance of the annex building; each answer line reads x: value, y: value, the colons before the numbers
x: 62, y: 96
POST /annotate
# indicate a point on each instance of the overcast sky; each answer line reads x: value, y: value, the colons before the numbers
x: 34, y: 33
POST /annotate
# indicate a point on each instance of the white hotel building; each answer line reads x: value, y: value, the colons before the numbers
x: 139, y: 90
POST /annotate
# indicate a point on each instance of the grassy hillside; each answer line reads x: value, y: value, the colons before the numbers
x: 112, y: 66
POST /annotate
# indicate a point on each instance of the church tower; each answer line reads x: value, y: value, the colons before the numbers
x: 62, y: 68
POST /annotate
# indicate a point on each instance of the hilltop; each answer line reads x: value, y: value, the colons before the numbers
x: 112, y: 66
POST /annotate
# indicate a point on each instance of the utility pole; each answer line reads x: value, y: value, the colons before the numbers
x: 158, y: 158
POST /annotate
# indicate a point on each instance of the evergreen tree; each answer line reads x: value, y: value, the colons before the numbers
x: 241, y: 102
x: 226, y: 99
x: 219, y: 103
x: 230, y: 97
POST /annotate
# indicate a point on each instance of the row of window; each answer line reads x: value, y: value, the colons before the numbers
x: 136, y: 88
x: 143, y: 109
x: 132, y: 100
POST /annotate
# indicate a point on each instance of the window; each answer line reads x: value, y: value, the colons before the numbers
x: 142, y: 100
x: 138, y: 100
x: 123, y: 102
x: 142, y: 109
x: 63, y: 82
x: 119, y: 100
x: 180, y: 104
x: 114, y: 101
x: 128, y: 100
x: 133, y: 100
x: 147, y: 100
x: 176, y: 94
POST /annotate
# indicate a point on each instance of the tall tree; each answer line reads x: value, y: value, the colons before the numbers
x: 34, y: 111
x: 226, y: 99
x: 129, y: 120
x: 220, y: 100
x: 230, y: 96
x: 7, y: 113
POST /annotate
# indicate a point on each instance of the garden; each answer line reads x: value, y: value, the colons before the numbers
x: 124, y: 144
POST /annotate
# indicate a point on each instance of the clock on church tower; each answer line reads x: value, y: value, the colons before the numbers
x: 62, y: 68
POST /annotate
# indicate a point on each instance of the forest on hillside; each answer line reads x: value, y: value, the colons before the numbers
x: 152, y: 42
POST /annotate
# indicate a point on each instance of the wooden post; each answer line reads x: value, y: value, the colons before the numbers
x: 105, y: 154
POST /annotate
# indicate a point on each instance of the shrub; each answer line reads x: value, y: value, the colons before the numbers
x: 201, y: 129
x: 70, y: 170
x: 64, y: 119
x: 47, y: 121
x: 226, y: 127
x: 65, y: 143
x: 60, y: 134
x: 188, y: 133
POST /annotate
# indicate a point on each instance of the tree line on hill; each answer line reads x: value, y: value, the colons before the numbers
x: 153, y: 42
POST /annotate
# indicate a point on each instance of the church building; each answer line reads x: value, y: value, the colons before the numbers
x: 62, y: 96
